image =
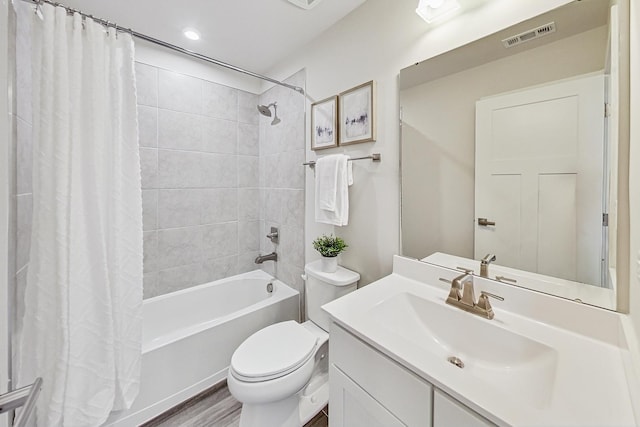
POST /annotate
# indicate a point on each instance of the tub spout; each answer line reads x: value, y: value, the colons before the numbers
x: 262, y: 258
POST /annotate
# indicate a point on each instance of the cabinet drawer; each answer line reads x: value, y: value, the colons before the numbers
x: 403, y: 393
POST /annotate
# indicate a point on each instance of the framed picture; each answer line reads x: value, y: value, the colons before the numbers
x: 324, y: 123
x: 358, y: 114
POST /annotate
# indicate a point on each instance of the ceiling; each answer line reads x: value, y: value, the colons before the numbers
x: 252, y: 34
x: 570, y: 19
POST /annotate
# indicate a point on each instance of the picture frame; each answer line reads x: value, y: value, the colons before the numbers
x: 324, y: 123
x: 357, y: 107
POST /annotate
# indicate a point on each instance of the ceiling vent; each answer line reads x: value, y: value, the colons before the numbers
x: 305, y: 4
x: 528, y: 35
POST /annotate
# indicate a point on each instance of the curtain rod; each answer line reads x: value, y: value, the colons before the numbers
x: 169, y: 45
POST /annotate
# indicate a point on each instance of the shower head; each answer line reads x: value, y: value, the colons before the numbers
x: 265, y: 111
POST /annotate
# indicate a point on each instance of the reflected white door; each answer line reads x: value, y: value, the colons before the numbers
x: 539, y: 169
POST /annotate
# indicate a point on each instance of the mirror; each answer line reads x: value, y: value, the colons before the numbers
x: 509, y: 147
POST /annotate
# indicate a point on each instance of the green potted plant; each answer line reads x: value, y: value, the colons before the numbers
x: 329, y: 247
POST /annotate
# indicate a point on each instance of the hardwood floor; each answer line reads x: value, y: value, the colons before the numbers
x: 213, y: 408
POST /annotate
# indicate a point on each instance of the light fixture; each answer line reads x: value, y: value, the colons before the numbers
x: 191, y: 34
x: 305, y: 4
x: 434, y: 10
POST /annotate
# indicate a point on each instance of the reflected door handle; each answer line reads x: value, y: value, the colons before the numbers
x: 485, y: 222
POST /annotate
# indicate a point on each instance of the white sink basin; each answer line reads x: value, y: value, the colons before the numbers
x: 500, y: 359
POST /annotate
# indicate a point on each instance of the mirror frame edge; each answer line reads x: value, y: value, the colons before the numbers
x: 623, y: 239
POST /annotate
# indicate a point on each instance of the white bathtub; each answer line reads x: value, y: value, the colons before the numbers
x: 190, y: 335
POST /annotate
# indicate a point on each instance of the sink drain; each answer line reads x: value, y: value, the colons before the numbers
x: 456, y: 361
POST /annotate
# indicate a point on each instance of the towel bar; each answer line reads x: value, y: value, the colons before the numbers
x: 374, y: 157
x: 25, y: 396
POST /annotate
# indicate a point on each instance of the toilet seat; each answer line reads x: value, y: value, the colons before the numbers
x: 273, y: 352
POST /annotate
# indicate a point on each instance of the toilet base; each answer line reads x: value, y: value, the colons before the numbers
x: 294, y: 411
x: 283, y: 413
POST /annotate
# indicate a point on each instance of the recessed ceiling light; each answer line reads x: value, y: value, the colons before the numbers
x: 305, y: 4
x: 434, y: 10
x: 191, y: 34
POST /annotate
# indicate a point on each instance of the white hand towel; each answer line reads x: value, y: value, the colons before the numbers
x: 344, y: 177
x: 327, y: 181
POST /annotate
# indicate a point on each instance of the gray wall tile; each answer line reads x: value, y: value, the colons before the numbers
x: 178, y: 278
x: 219, y: 205
x: 219, y: 136
x: 248, y: 171
x: 148, y: 126
x: 219, y: 171
x: 220, y: 240
x: 179, y: 92
x: 274, y: 201
x: 248, y: 236
x: 248, y: 137
x: 150, y: 251
x: 149, y: 167
x: 246, y: 262
x: 216, y: 174
x: 179, y: 246
x: 220, y: 101
x: 249, y: 204
x: 281, y: 178
x: 150, y: 285
x: 179, y: 208
x: 219, y: 268
x: 247, y: 107
x: 179, y: 131
x: 149, y: 210
x: 147, y: 84
x: 179, y: 169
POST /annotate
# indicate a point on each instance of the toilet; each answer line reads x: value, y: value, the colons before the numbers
x: 281, y: 373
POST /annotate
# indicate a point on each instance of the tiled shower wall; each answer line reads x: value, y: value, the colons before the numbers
x: 199, y: 159
x: 282, y: 182
x: 215, y: 176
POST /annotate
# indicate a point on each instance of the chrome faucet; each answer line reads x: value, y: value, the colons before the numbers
x: 484, y: 264
x: 262, y: 258
x: 462, y: 295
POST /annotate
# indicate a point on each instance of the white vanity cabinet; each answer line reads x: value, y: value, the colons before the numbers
x: 368, y: 389
x: 448, y: 412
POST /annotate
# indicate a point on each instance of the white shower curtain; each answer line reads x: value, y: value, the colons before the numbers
x: 83, y: 300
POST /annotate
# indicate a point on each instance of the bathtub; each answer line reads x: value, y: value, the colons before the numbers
x: 190, y: 335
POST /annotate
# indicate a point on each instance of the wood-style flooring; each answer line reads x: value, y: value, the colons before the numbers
x: 214, y: 407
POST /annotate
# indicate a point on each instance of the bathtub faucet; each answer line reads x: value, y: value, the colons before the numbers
x: 262, y: 258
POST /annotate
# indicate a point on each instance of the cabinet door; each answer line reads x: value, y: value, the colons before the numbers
x: 351, y: 406
x: 448, y: 412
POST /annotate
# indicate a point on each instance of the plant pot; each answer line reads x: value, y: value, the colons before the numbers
x: 329, y: 264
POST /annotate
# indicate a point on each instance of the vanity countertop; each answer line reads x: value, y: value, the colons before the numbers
x: 588, y: 384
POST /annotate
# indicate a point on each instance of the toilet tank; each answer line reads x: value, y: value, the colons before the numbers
x: 322, y: 287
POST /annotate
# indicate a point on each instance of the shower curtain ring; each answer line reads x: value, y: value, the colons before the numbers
x: 38, y: 10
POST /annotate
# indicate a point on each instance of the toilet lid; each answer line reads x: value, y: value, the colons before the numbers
x: 273, y: 351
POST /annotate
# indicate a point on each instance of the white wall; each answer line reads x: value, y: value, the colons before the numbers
x: 375, y: 42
